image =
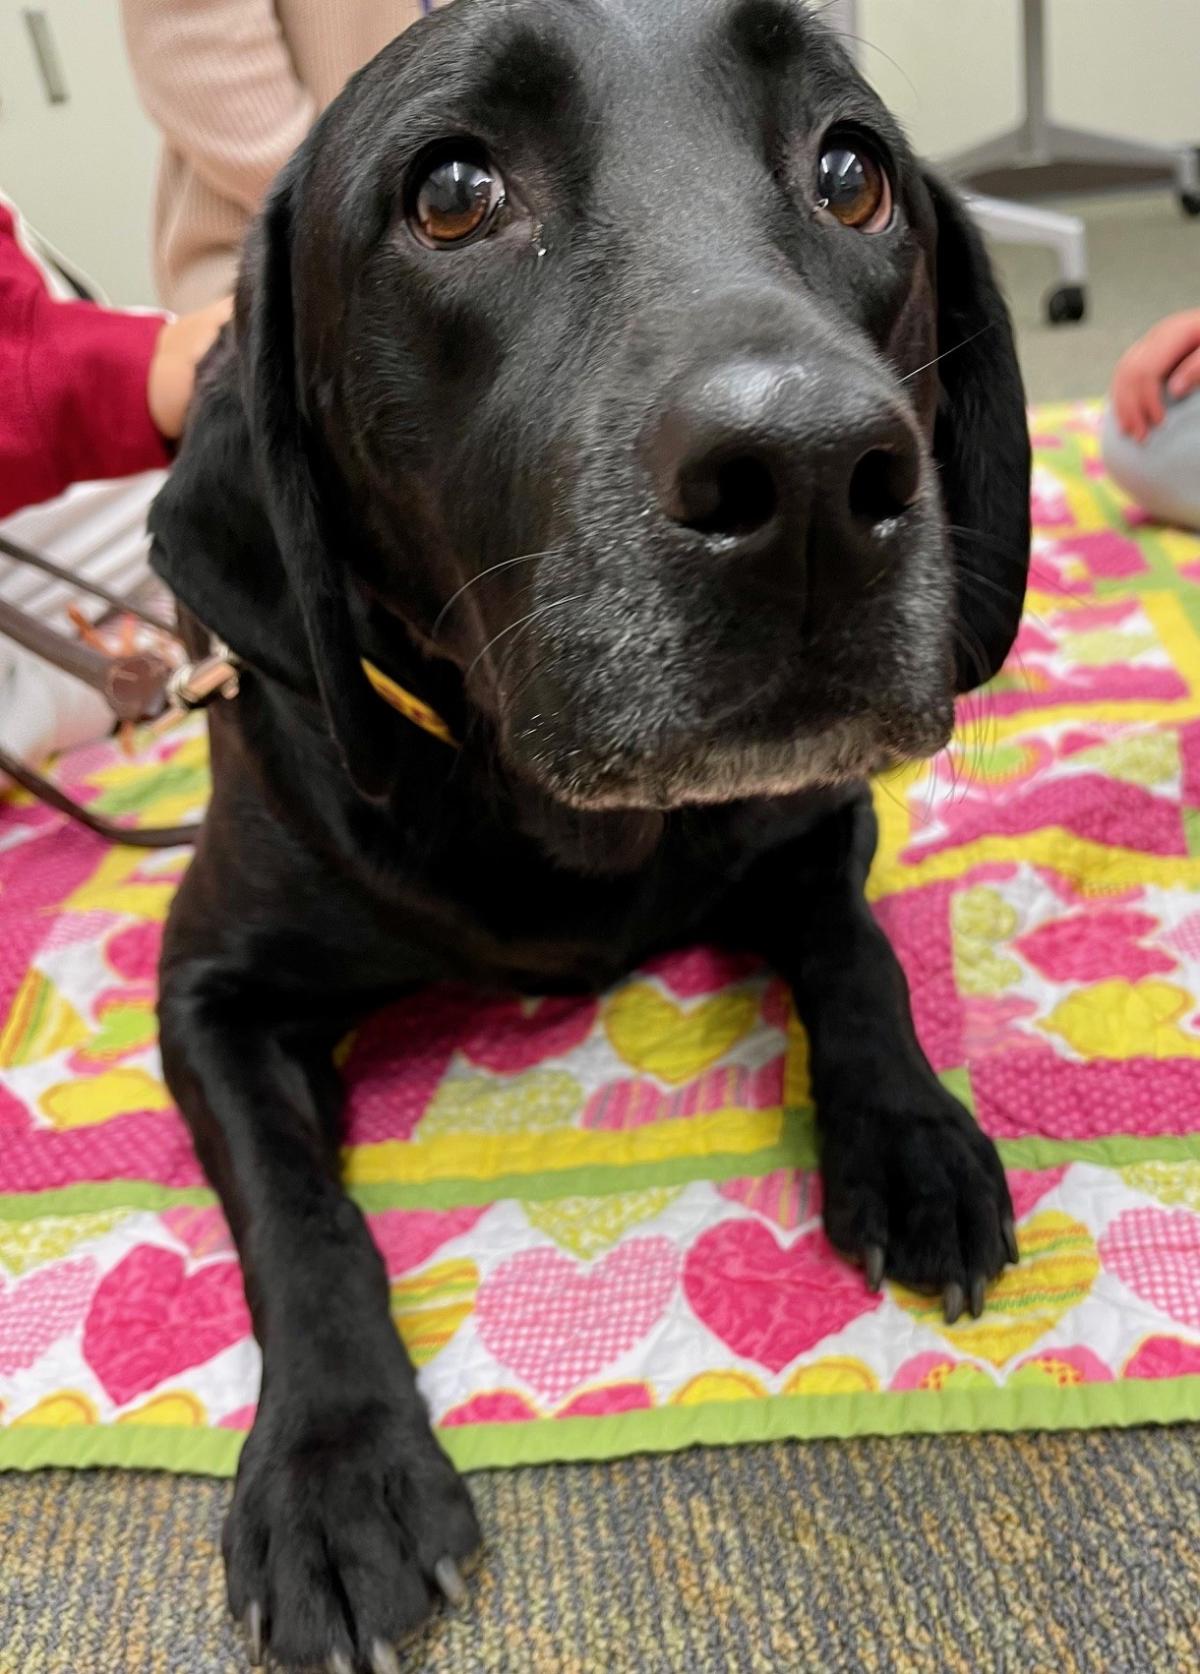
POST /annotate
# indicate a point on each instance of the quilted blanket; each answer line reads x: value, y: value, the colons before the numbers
x: 601, y: 1219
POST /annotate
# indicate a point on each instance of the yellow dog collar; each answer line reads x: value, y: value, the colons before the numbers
x: 405, y: 703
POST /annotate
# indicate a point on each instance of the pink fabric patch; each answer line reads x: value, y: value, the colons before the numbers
x: 408, y: 1237
x: 613, y: 1398
x: 39, y: 1309
x: 500, y: 1406
x: 1105, y: 942
x: 151, y: 1319
x: 767, y: 1301
x: 557, y: 1324
x: 1034, y: 1091
x: 1164, y: 1357
x: 1156, y: 1252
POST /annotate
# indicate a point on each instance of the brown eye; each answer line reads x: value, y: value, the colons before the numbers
x: 853, y: 184
x: 456, y: 200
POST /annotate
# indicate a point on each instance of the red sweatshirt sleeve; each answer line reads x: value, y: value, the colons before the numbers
x: 72, y: 386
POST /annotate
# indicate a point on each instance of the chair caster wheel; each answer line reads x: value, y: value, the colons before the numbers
x: 1068, y: 302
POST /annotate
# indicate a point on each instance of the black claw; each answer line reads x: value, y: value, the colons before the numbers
x: 953, y: 1301
x: 1011, y: 1247
x: 254, y: 1634
x: 978, y: 1290
x: 873, y: 1262
x: 449, y: 1578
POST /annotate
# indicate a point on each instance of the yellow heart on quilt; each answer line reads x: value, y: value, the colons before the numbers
x: 531, y: 1103
x: 1057, y: 1269
x: 1173, y: 1183
x: 123, y: 1028
x: 836, y: 1374
x: 40, y: 1023
x: 98, y: 1098
x: 654, y: 1035
x: 428, y: 1307
x: 1120, y: 1019
x: 26, y: 1244
x: 1143, y: 758
x: 980, y: 918
x: 732, y: 1385
x: 174, y: 1408
x: 64, y: 1408
x: 587, y: 1225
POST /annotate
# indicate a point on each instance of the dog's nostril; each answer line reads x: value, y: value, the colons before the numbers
x: 883, y: 484
x: 733, y: 497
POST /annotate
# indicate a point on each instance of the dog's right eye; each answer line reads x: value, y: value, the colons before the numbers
x: 455, y: 200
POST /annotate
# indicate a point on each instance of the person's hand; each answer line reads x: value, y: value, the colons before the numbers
x: 182, y: 345
x: 1165, y: 361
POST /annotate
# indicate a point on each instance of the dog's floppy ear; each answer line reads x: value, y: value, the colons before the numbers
x: 240, y: 533
x: 981, y: 443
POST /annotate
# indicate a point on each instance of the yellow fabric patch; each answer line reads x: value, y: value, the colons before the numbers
x: 1058, y: 1267
x: 588, y: 1225
x: 718, y: 1386
x: 531, y: 1103
x: 837, y: 1374
x: 77, y: 1104
x: 175, y: 1408
x: 979, y: 918
x: 1120, y: 1019
x: 40, y: 1024
x: 428, y: 1307
x: 65, y: 1407
x: 656, y: 1037
x: 28, y: 1244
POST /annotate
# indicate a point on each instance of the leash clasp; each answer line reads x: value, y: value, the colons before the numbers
x: 196, y: 685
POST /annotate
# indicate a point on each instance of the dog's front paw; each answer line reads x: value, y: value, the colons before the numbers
x: 915, y: 1190
x: 345, y: 1530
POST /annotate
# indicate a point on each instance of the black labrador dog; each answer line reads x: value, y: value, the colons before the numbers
x: 609, y: 375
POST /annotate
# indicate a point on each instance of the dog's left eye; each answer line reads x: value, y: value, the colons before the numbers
x: 853, y: 184
x: 455, y: 200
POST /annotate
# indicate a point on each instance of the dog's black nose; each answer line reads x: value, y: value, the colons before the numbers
x: 759, y: 451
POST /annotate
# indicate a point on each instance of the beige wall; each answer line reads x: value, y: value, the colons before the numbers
x: 83, y: 171
x: 1125, y: 66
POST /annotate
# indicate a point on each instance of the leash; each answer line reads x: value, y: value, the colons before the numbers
x: 144, y: 687
x: 139, y: 686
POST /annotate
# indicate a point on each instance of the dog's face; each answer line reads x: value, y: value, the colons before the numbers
x: 621, y: 350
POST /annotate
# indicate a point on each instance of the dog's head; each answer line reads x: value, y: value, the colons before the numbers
x: 619, y: 354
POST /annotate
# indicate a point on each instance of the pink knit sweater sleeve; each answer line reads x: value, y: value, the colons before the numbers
x: 217, y: 78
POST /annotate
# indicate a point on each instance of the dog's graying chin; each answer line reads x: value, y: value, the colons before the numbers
x: 611, y: 376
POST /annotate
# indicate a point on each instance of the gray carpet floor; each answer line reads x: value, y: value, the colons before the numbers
x: 978, y: 1555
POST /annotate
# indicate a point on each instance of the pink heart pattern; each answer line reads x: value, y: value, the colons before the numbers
x: 151, y: 1319
x: 767, y: 1301
x: 1164, y: 1357
x: 1091, y: 945
x: 35, y: 1312
x: 556, y: 1323
x: 1156, y: 1252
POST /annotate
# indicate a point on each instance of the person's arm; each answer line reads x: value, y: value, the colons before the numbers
x: 85, y: 392
x: 217, y: 79
x: 1165, y: 362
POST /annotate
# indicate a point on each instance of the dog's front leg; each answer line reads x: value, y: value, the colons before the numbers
x: 912, y: 1187
x: 347, y: 1518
